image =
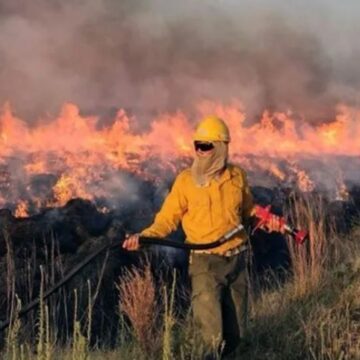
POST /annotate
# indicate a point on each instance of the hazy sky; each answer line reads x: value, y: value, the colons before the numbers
x: 153, y: 56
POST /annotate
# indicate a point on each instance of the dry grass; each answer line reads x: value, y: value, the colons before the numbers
x: 139, y: 304
x: 310, y: 259
x: 314, y: 315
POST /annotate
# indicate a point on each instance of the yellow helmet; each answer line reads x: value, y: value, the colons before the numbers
x: 212, y: 128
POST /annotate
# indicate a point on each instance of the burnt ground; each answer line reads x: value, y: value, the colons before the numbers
x: 57, y: 239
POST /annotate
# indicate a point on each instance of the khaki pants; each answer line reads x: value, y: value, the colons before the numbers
x: 219, y: 298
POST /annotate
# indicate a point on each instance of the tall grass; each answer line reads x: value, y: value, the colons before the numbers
x: 169, y: 322
x: 308, y: 261
x: 43, y: 347
x: 79, y: 341
x: 138, y: 302
x: 315, y: 314
x: 12, y: 336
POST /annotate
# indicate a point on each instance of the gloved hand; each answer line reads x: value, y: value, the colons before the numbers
x: 268, y: 221
x: 131, y: 242
x: 275, y: 223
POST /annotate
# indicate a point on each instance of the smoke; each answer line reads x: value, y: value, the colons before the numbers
x: 154, y: 56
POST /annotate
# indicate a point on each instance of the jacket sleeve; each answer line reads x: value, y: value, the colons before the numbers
x: 248, y: 202
x: 171, y: 212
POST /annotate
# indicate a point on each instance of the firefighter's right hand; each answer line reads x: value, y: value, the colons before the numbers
x: 131, y: 242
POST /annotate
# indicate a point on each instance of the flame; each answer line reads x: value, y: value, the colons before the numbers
x: 77, y: 155
x: 303, y: 180
x: 342, y: 192
x: 21, y: 210
x: 68, y: 187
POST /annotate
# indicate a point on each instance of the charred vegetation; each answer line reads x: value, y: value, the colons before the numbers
x: 57, y: 239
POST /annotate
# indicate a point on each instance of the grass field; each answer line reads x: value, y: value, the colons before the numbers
x: 313, y: 314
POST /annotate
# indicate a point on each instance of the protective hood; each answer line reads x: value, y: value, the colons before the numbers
x: 205, y: 168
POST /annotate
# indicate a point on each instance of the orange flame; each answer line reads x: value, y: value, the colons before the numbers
x: 79, y: 152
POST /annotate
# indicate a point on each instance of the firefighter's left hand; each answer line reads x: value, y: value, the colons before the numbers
x: 275, y: 224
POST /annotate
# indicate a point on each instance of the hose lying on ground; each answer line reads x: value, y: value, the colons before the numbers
x: 143, y: 241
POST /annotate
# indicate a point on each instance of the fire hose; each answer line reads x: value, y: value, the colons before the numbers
x: 298, y: 235
x: 117, y: 245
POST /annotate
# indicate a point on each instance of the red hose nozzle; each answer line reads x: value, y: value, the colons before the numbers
x: 264, y: 216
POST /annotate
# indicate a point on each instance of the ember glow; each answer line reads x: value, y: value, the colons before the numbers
x: 71, y: 156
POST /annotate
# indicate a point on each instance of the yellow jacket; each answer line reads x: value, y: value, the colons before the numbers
x: 208, y: 212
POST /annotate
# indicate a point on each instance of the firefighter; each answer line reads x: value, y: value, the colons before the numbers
x: 209, y: 199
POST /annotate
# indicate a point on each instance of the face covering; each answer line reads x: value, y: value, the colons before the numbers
x: 205, y: 168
